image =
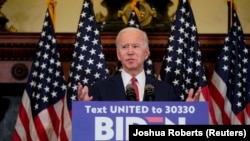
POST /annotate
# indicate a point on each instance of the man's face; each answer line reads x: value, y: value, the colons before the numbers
x: 131, y: 51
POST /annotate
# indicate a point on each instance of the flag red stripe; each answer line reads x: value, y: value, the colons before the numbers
x: 66, y: 130
x: 55, y: 120
x: 40, y: 129
x: 70, y: 113
x: 16, y: 137
x: 206, y: 94
x: 27, y: 124
x: 247, y: 113
x: 63, y: 136
x: 241, y: 117
x: 248, y: 110
x: 220, y: 102
x: 23, y: 116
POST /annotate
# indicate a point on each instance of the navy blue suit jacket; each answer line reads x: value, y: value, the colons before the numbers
x: 112, y: 89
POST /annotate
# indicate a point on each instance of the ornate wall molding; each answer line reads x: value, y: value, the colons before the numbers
x: 20, y: 47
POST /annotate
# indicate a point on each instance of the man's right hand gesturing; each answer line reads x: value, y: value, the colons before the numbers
x: 83, y: 93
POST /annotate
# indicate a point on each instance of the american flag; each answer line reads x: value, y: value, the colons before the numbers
x: 88, y: 61
x: 182, y: 64
x: 133, y: 21
x: 230, y: 83
x: 39, y: 116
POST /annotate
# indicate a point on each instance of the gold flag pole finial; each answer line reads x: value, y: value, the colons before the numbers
x: 133, y: 7
x: 52, y: 10
x: 234, y: 6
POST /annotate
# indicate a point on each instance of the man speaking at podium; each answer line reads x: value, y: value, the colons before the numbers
x: 132, y: 83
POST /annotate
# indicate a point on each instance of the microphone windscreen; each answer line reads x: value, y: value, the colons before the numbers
x: 149, y: 87
x: 129, y: 86
x: 130, y: 93
x: 149, y: 92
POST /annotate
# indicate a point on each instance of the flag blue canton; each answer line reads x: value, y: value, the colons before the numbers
x: 133, y: 20
x: 182, y: 65
x: 233, y: 67
x: 88, y: 61
x: 46, y: 83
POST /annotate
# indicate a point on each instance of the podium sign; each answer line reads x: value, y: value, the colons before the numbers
x: 110, y: 120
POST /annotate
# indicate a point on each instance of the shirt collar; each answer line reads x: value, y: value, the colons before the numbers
x: 141, y: 78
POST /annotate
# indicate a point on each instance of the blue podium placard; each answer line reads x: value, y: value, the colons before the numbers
x: 93, y: 121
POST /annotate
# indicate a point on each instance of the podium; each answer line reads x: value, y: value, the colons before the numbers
x: 110, y: 120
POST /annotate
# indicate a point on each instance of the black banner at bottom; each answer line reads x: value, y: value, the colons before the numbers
x: 197, y: 132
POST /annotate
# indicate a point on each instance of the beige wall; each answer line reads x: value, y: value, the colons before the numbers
x: 28, y: 15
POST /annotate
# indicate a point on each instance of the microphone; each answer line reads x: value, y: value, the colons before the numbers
x: 130, y: 93
x: 149, y: 93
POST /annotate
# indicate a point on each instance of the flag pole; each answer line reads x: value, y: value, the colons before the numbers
x: 229, y: 3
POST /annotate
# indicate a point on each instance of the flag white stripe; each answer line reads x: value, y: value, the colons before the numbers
x: 219, y: 84
x: 247, y: 118
x: 222, y: 88
x: 20, y: 130
x: 46, y: 121
x: 217, y: 111
x: 67, y: 120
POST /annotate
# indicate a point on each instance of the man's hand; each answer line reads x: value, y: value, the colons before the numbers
x: 194, y: 96
x: 83, y: 93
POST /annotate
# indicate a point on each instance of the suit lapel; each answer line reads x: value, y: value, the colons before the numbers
x: 117, y: 80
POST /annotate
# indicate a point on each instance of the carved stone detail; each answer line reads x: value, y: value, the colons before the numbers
x: 20, y: 71
x: 146, y: 13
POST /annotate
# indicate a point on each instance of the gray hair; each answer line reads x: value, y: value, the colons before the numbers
x: 144, y: 34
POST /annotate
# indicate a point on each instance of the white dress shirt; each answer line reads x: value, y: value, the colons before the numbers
x: 141, y: 81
